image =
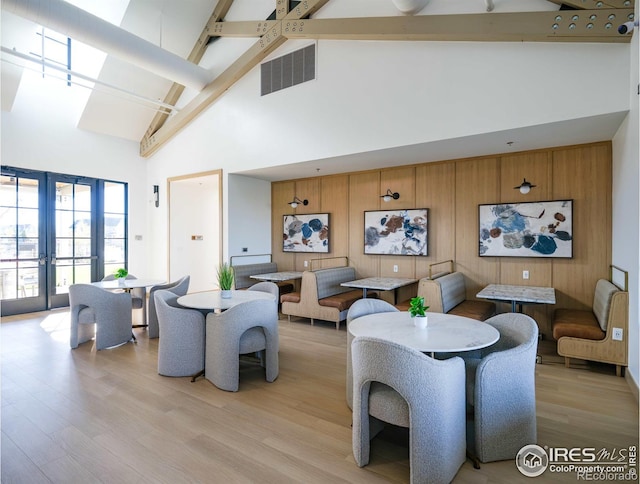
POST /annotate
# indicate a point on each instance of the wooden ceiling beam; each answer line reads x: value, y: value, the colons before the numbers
x: 249, y: 28
x: 200, y: 47
x: 594, y: 4
x: 247, y: 61
x: 282, y: 9
x: 590, y: 25
x: 559, y: 26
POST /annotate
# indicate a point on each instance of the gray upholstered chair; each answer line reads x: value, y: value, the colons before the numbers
x: 181, y: 348
x: 179, y: 288
x: 103, y: 314
x: 138, y: 295
x: 501, y: 390
x: 268, y: 287
x: 249, y: 327
x: 399, y: 385
x: 360, y: 308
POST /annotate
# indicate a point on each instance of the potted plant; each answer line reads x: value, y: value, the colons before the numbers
x: 417, y: 309
x: 120, y: 275
x: 225, y: 279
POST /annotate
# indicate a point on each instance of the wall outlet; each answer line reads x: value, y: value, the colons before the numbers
x: 245, y: 249
x: 525, y: 274
x: 306, y: 263
x: 395, y: 268
x: 618, y: 334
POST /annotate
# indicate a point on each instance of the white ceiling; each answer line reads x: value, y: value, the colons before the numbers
x: 175, y: 26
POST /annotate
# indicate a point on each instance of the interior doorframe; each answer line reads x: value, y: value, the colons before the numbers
x: 194, y: 176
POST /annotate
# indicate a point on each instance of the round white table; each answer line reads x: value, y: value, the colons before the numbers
x: 213, y: 301
x: 445, y: 333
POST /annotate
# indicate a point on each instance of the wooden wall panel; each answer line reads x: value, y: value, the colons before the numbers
x: 306, y: 189
x: 281, y: 195
x: 477, y: 182
x: 401, y: 180
x: 335, y: 201
x: 452, y: 191
x: 536, y: 167
x: 436, y: 190
x: 364, y: 194
x: 584, y: 175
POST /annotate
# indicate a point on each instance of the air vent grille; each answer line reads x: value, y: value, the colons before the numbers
x: 286, y: 71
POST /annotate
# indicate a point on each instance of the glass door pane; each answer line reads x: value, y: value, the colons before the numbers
x: 22, y: 243
x: 73, y: 236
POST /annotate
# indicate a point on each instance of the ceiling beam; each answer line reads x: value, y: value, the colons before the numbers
x: 594, y: 4
x: 247, y: 61
x: 200, y: 47
x: 592, y: 25
x: 248, y: 28
x: 559, y: 26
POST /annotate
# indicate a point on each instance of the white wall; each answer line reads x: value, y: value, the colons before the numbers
x: 416, y: 92
x: 248, y: 219
x: 626, y: 205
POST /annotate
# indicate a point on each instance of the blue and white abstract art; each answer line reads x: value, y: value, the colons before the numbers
x: 306, y: 233
x: 535, y: 229
x: 396, y: 232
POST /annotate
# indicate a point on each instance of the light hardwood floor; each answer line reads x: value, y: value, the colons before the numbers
x: 81, y: 416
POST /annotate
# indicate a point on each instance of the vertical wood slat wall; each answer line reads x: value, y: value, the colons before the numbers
x: 452, y: 191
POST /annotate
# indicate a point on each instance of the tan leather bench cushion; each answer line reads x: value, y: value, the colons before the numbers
x: 576, y: 323
x: 293, y: 297
x: 479, y: 310
x: 344, y: 300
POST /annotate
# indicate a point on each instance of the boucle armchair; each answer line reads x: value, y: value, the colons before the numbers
x: 103, y: 314
x: 268, y: 287
x: 181, y: 348
x: 501, y: 390
x: 138, y: 295
x: 249, y: 327
x: 358, y: 309
x: 401, y: 386
x: 179, y: 288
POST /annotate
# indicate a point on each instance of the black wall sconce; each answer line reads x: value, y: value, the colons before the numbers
x: 390, y: 195
x: 296, y: 201
x: 525, y: 187
x: 156, y: 194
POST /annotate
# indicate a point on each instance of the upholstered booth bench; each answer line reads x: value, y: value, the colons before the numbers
x: 447, y: 294
x: 242, y: 276
x: 588, y: 334
x: 322, y: 297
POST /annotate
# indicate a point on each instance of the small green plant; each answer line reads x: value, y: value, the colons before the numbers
x: 225, y: 276
x: 417, y: 307
x: 121, y: 273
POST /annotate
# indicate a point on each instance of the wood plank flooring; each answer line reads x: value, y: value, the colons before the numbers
x: 82, y: 416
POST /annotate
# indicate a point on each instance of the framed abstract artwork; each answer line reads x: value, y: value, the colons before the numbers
x: 306, y: 233
x: 396, y: 232
x: 535, y: 229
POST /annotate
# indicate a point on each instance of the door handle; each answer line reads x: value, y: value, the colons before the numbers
x: 53, y: 259
x: 42, y: 260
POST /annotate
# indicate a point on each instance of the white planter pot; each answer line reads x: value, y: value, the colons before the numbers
x: 420, y: 322
x: 226, y: 294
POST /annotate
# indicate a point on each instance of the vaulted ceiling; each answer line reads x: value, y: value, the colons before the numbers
x: 151, y: 94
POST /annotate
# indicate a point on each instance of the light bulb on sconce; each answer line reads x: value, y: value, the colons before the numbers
x: 387, y: 197
x: 525, y: 187
x: 296, y: 201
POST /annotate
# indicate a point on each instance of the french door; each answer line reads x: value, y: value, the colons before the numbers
x: 52, y: 235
